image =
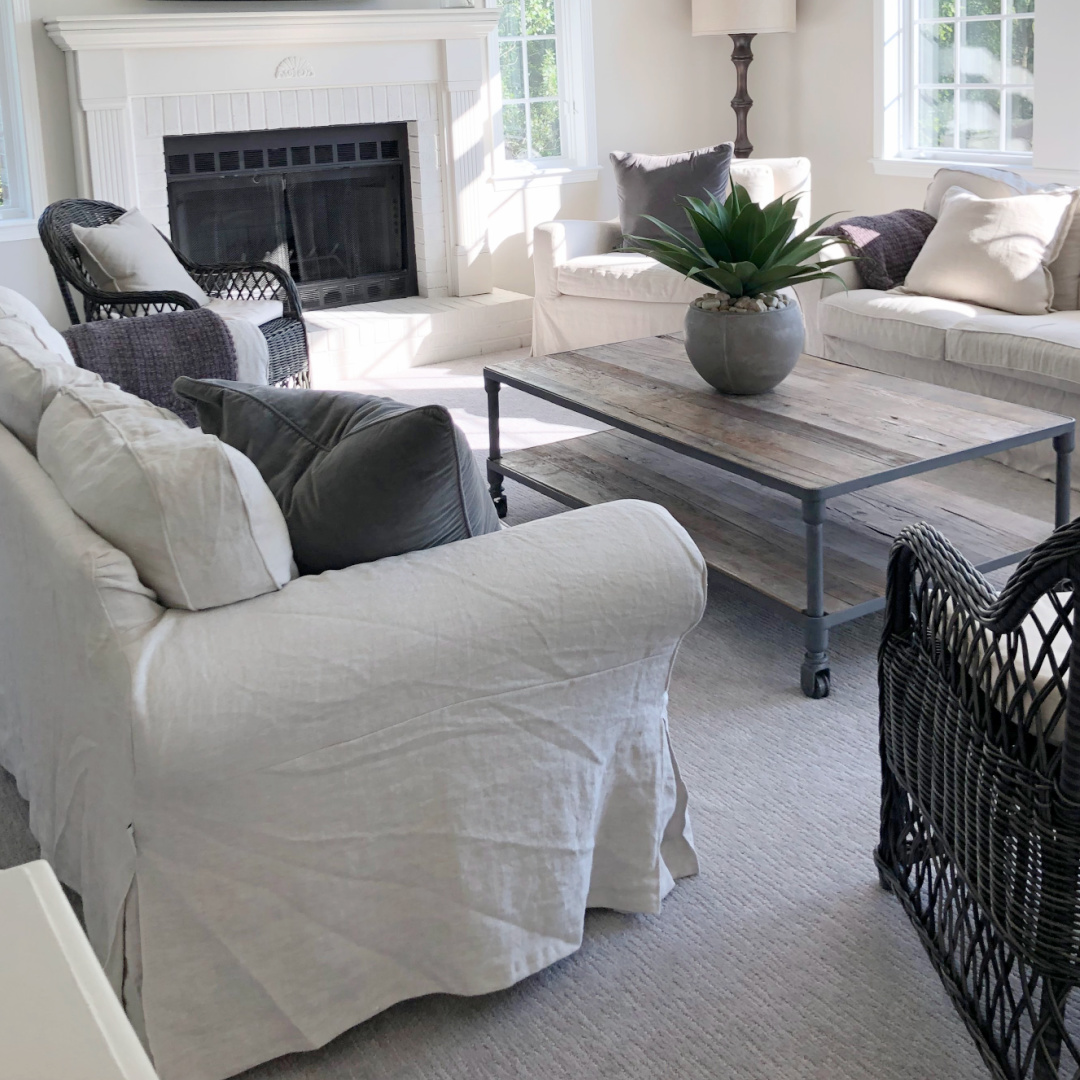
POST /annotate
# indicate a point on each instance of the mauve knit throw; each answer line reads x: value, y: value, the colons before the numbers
x: 146, y: 355
x: 887, y: 244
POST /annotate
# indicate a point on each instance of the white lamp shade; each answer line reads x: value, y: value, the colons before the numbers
x: 744, y: 17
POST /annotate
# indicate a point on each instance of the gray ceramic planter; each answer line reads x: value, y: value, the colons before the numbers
x: 744, y: 352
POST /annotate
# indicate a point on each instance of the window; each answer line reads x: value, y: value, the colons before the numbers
x: 20, y: 150
x: 544, y: 53
x: 529, y: 66
x: 971, y: 87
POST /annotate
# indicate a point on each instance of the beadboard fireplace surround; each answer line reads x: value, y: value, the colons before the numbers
x: 133, y: 79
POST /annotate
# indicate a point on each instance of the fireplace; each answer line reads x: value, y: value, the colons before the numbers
x: 332, y: 205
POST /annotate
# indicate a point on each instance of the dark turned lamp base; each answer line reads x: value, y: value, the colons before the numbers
x: 741, y: 57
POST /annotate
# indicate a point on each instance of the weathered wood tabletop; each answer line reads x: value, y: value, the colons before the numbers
x: 828, y: 428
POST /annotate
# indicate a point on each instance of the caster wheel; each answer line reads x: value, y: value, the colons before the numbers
x: 501, y: 507
x: 816, y: 684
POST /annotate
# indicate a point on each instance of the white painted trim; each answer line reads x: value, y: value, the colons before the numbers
x: 545, y: 178
x: 925, y: 168
x: 25, y: 141
x: 18, y: 230
x: 894, y: 66
x: 577, y: 84
x: 215, y: 28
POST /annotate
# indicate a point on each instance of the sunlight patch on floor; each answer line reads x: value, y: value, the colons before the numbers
x: 515, y: 432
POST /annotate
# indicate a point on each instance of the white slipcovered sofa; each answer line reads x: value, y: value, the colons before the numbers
x: 587, y: 293
x: 411, y: 776
x: 1031, y: 360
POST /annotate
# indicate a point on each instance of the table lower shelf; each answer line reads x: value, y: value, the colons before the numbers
x: 755, y: 536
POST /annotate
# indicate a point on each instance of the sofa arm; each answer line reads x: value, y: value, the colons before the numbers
x: 814, y: 293
x: 556, y: 242
x: 348, y: 653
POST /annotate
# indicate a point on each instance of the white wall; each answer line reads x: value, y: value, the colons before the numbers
x: 658, y: 90
x: 814, y: 93
x: 814, y: 96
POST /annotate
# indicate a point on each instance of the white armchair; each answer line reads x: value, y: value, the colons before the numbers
x: 588, y: 293
x: 406, y: 777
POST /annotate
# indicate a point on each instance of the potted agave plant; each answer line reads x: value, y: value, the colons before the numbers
x: 746, y: 337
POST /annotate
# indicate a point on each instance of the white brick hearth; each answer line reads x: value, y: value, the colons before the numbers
x: 135, y: 79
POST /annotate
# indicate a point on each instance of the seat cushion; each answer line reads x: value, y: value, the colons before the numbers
x: 1039, y: 348
x: 129, y: 255
x: 896, y: 321
x: 193, y: 514
x: 359, y: 478
x: 620, y: 275
x: 255, y: 312
x: 31, y: 373
x: 13, y: 304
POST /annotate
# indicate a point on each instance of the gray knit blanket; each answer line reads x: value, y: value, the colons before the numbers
x: 146, y: 355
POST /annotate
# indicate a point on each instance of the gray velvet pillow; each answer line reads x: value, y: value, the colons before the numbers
x: 358, y: 478
x: 653, y: 185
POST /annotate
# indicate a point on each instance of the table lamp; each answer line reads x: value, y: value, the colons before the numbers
x: 743, y: 19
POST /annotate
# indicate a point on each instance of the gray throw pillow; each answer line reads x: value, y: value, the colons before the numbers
x: 653, y: 185
x: 358, y: 478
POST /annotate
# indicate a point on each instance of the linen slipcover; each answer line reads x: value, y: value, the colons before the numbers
x: 411, y: 776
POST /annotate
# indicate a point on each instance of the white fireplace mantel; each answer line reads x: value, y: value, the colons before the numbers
x: 214, y: 29
x: 135, y: 79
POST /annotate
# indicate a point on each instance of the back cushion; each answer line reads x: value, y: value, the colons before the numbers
x: 757, y: 179
x: 194, y: 515
x: 30, y: 375
x: 129, y: 255
x: 990, y: 183
x: 359, y: 478
x: 13, y: 304
x: 653, y: 186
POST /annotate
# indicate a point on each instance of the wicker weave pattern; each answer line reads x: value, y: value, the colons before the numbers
x: 286, y: 337
x: 980, y: 828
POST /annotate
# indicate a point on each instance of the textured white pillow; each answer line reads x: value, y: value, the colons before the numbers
x: 1000, y: 184
x: 129, y: 255
x: 193, y: 515
x: 995, y: 252
x: 30, y: 376
x: 15, y: 305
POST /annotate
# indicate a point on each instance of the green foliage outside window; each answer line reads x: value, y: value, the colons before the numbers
x: 975, y: 70
x: 528, y: 61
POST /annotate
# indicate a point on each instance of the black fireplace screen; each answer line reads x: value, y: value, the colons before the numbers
x: 331, y: 205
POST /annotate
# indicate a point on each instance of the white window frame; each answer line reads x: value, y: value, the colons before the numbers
x: 895, y: 79
x: 574, y: 48
x: 23, y: 150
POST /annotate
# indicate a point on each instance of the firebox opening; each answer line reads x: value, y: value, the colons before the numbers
x: 332, y: 205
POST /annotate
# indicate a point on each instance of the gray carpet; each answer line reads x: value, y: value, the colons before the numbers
x: 783, y: 960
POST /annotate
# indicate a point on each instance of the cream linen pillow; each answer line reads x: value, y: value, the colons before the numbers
x: 995, y: 252
x: 30, y: 376
x: 15, y: 305
x: 129, y: 255
x: 193, y: 515
x: 990, y: 183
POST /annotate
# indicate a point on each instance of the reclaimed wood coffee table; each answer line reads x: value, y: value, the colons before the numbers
x: 749, y: 478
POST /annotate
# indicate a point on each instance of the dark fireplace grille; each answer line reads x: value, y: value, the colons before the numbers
x: 331, y: 205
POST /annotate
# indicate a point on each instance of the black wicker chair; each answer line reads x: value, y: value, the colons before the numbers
x: 286, y: 336
x: 980, y: 821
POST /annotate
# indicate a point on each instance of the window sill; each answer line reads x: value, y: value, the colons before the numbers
x: 545, y: 178
x: 926, y: 167
x: 21, y: 229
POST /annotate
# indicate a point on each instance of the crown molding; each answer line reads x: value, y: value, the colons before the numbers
x: 75, y: 33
